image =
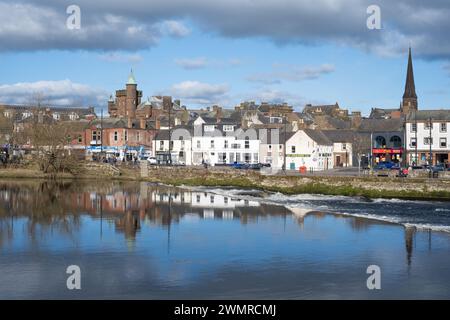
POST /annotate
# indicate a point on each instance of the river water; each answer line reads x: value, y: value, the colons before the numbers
x: 138, y: 240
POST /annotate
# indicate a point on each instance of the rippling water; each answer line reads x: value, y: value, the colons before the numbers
x: 134, y: 240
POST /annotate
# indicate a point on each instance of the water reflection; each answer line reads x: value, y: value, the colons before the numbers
x: 49, y: 206
x: 167, y: 242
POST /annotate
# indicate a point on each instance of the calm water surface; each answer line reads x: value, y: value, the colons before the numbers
x: 136, y: 240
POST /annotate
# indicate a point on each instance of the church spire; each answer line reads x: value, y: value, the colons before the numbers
x: 410, y: 96
x: 410, y: 87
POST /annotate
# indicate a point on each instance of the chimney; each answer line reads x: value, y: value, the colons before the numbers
x: 356, y: 119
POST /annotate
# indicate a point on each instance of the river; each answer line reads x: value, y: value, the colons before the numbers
x: 144, y: 241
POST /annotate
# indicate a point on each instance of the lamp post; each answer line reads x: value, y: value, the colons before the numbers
x: 416, y: 159
x: 285, y: 151
x: 430, y: 141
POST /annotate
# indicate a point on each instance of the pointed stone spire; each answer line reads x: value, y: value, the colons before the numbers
x: 410, y: 87
x: 409, y: 103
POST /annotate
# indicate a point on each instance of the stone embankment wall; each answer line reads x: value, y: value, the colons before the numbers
x: 370, y: 186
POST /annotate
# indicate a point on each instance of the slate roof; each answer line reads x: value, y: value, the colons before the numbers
x: 318, y: 136
x: 377, y: 125
x: 339, y: 135
x: 424, y: 115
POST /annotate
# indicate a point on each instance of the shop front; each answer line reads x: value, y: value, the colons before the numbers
x: 394, y: 155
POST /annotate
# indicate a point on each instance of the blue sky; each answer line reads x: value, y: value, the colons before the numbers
x: 203, y: 61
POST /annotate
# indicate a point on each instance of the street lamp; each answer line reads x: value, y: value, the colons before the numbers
x: 430, y: 141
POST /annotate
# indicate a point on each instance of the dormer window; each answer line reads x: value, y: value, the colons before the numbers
x: 26, y: 114
x: 228, y: 128
x: 73, y: 116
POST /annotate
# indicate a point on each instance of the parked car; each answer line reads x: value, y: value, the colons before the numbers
x: 152, y: 160
x: 438, y: 167
x: 237, y: 165
x: 387, y: 166
x: 256, y: 166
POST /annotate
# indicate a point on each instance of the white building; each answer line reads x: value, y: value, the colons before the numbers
x: 419, y: 141
x: 271, y: 148
x: 342, y: 147
x: 309, y: 148
x: 180, y: 145
x: 223, y: 143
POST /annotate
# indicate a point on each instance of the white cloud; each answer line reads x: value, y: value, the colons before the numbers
x: 57, y: 93
x: 192, y: 63
x: 446, y: 68
x: 138, y: 24
x: 291, y: 73
x: 122, y: 58
x: 199, y: 92
x: 202, y: 62
x: 175, y: 29
x: 276, y: 96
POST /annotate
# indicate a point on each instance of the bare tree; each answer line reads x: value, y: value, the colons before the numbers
x: 48, y: 139
x: 361, y: 146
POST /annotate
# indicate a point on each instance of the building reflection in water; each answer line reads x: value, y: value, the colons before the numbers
x: 130, y: 206
x: 410, y: 233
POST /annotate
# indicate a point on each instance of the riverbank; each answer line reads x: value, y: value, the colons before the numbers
x: 365, y: 186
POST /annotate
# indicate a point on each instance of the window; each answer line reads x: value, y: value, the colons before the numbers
x: 228, y: 128
x: 443, y: 127
x: 209, y: 128
x: 226, y: 144
x: 198, y: 198
x: 238, y: 157
x: 396, y: 142
x: 344, y: 146
x: 428, y: 141
x: 276, y: 120
x: 428, y: 125
x: 247, y: 143
x: 413, y: 127
x: 211, y: 199
x: 413, y: 142
x: 161, y: 145
x: 293, y: 149
x: 255, y: 157
x: 225, y: 200
x: 80, y: 139
x: 247, y: 157
x: 380, y: 142
x: 270, y: 147
x: 212, y: 144
x: 126, y: 135
x: 96, y: 135
x: 138, y: 136
x: 116, y: 135
x: 443, y: 142
x: 199, y: 145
